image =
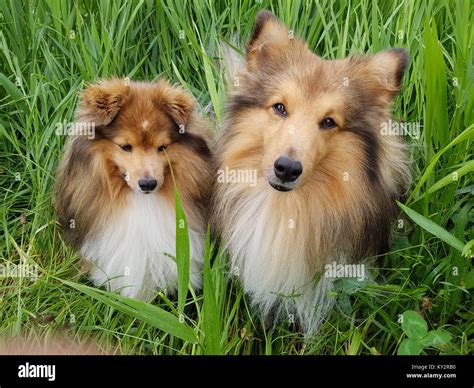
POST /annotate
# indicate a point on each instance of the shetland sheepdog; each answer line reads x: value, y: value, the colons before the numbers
x: 114, y: 192
x: 327, y: 175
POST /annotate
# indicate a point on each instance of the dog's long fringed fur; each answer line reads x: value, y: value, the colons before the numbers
x: 114, y: 194
x: 294, y: 114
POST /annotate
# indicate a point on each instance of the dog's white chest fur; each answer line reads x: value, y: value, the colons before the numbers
x: 267, y: 253
x: 135, y: 252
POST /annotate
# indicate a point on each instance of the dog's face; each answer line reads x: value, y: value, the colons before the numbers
x: 301, y: 117
x: 140, y: 155
x: 138, y: 127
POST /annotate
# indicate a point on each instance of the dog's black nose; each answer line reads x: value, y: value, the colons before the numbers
x: 287, y: 169
x: 147, y: 184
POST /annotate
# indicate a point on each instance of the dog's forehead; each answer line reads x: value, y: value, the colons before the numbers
x: 143, y: 123
x: 142, y: 113
x: 313, y: 78
x: 144, y: 138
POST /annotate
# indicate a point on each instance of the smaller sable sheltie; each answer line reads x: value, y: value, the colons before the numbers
x: 114, y: 193
x: 327, y: 175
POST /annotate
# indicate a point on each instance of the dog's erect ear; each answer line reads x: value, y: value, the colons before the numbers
x: 101, y: 102
x: 268, y: 35
x: 175, y: 101
x: 388, y: 67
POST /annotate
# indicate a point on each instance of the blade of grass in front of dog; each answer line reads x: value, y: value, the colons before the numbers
x: 143, y: 311
x: 182, y: 251
x: 211, y: 314
x: 432, y: 227
x: 182, y: 246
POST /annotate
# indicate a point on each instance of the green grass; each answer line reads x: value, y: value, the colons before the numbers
x: 48, y: 50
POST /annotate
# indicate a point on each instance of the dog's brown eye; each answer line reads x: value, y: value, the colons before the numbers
x: 327, y: 123
x: 162, y: 148
x: 280, y: 109
x: 126, y: 147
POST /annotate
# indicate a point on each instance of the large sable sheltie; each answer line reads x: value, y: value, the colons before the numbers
x: 327, y: 175
x: 114, y: 192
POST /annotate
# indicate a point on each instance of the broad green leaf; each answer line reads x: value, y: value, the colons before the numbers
x: 437, y: 339
x: 410, y: 347
x: 413, y: 325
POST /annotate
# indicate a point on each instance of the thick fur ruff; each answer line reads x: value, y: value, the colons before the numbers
x: 342, y: 206
x: 136, y: 257
x: 126, y: 233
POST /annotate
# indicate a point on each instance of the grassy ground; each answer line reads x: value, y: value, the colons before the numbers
x: 48, y: 50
